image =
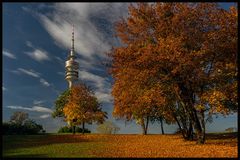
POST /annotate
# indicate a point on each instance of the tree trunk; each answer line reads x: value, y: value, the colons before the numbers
x: 143, y: 127
x: 179, y: 125
x: 83, y: 127
x: 183, y: 120
x: 73, y: 129
x: 190, y: 131
x: 188, y: 98
x: 146, y: 127
x: 161, y: 122
x: 198, y: 128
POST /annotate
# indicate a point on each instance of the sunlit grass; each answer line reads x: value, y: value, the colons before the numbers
x: 51, y: 145
x: 54, y: 150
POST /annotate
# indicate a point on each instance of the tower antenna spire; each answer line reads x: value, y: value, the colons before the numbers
x: 72, y: 38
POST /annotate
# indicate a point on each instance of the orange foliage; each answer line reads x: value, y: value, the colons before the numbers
x: 175, y: 52
x: 162, y: 146
x: 83, y: 106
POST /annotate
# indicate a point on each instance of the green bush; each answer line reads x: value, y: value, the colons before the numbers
x: 67, y: 129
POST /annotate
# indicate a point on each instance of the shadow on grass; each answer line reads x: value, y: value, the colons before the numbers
x: 222, y: 135
x: 28, y: 156
x: 213, y: 136
x: 228, y: 143
x: 219, y: 139
x: 28, y: 141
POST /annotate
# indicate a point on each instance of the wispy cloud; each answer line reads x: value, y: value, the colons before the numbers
x: 104, y: 97
x: 59, y: 59
x: 45, y: 116
x: 38, y: 55
x: 37, y: 102
x: 61, y: 73
x: 41, y: 109
x: 28, y: 72
x: 92, y: 39
x: 102, y: 85
x: 4, y: 89
x: 32, y: 73
x: 34, y: 108
x: 44, y: 82
x: 98, y: 80
x: 9, y: 55
x: 29, y: 44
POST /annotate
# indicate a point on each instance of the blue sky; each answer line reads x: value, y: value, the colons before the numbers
x: 36, y: 42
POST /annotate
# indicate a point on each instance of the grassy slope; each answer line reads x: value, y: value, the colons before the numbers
x: 47, y: 146
x: 67, y: 145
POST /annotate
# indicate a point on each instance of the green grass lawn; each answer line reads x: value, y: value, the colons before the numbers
x: 47, y: 146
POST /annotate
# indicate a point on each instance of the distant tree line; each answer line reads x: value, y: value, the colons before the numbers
x: 20, y: 124
x: 68, y: 129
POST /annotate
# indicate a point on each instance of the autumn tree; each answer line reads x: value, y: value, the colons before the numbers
x: 59, y: 105
x: 185, y: 50
x: 83, y: 107
x: 61, y: 101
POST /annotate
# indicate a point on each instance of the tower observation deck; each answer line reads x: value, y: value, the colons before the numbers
x: 71, y: 65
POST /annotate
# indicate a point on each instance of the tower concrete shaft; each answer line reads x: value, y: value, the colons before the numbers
x: 72, y: 65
